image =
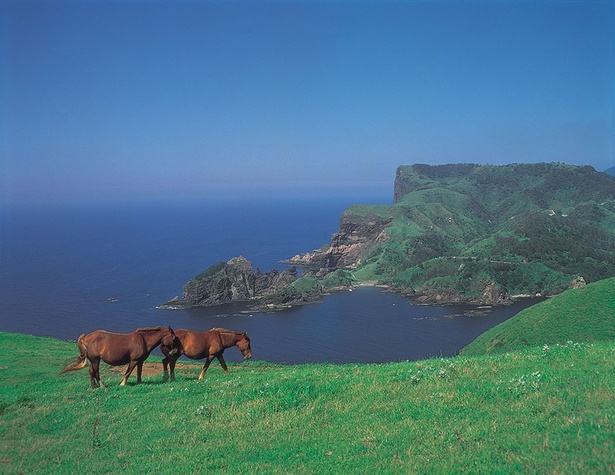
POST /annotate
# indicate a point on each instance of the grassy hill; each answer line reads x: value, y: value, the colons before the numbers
x: 534, y: 411
x: 485, y: 234
x: 457, y: 233
x: 586, y: 314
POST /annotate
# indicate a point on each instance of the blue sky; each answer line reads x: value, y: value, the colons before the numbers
x: 139, y: 100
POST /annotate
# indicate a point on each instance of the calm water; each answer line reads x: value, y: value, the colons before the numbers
x: 73, y: 269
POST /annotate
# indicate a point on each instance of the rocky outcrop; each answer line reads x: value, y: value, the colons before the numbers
x: 357, y: 234
x: 235, y: 281
x: 491, y: 295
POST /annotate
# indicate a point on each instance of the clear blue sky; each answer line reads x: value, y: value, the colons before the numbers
x: 138, y: 100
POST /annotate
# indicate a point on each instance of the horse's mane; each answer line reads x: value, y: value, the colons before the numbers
x: 225, y: 330
x: 150, y: 329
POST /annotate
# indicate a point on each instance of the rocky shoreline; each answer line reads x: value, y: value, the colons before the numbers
x: 455, y: 234
x: 236, y: 281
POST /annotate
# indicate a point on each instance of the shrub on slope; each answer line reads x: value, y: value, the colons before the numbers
x: 580, y: 315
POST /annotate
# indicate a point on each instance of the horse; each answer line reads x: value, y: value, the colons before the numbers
x: 118, y: 349
x: 197, y: 345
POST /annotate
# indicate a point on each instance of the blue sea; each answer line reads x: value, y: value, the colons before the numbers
x: 71, y: 269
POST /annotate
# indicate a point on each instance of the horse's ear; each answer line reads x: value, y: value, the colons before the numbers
x: 171, y: 330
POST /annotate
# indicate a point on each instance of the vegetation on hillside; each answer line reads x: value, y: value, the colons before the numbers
x: 546, y: 408
x: 485, y: 234
x: 455, y: 233
x: 586, y: 314
x: 543, y: 410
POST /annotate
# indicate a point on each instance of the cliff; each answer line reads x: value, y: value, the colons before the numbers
x: 479, y: 234
x: 454, y: 234
x: 356, y: 236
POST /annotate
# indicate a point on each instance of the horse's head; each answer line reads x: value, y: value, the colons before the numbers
x: 170, y: 344
x: 244, y: 346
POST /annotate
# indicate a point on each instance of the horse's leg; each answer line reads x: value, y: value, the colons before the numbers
x: 206, y: 365
x: 172, y: 368
x: 139, y: 371
x: 222, y: 362
x: 131, y: 366
x: 165, y: 369
x: 93, y: 379
x: 95, y: 373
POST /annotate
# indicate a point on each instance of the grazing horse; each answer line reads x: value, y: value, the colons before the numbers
x: 210, y: 344
x: 119, y: 349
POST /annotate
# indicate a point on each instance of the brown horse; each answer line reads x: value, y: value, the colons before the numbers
x: 119, y: 349
x: 210, y: 344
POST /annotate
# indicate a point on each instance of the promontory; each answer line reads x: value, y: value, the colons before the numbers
x: 455, y: 233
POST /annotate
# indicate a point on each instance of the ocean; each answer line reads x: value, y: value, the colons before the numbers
x: 70, y: 269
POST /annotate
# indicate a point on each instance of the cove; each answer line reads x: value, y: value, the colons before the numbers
x: 367, y: 325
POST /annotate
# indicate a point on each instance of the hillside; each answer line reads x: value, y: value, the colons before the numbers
x: 525, y: 412
x: 459, y: 233
x: 480, y: 234
x: 541, y: 403
x: 586, y: 314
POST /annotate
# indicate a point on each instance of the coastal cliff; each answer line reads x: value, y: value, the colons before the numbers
x: 460, y: 233
x: 349, y: 246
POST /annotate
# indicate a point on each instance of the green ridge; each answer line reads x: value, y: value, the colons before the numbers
x: 586, y: 314
x: 517, y: 229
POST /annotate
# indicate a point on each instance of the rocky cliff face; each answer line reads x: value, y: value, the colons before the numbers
x: 357, y: 233
x: 232, y: 281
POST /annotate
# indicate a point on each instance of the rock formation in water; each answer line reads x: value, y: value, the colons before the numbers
x: 235, y: 281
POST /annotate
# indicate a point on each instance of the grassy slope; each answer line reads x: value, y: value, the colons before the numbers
x: 537, y: 411
x: 585, y: 314
x: 502, y: 219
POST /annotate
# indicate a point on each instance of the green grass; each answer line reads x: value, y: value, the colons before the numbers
x: 543, y: 410
x: 554, y: 222
x: 585, y: 314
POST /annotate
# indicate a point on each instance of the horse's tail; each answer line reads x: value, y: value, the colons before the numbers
x: 81, y: 360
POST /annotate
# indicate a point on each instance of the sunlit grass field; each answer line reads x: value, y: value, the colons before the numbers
x: 584, y: 314
x: 548, y: 409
